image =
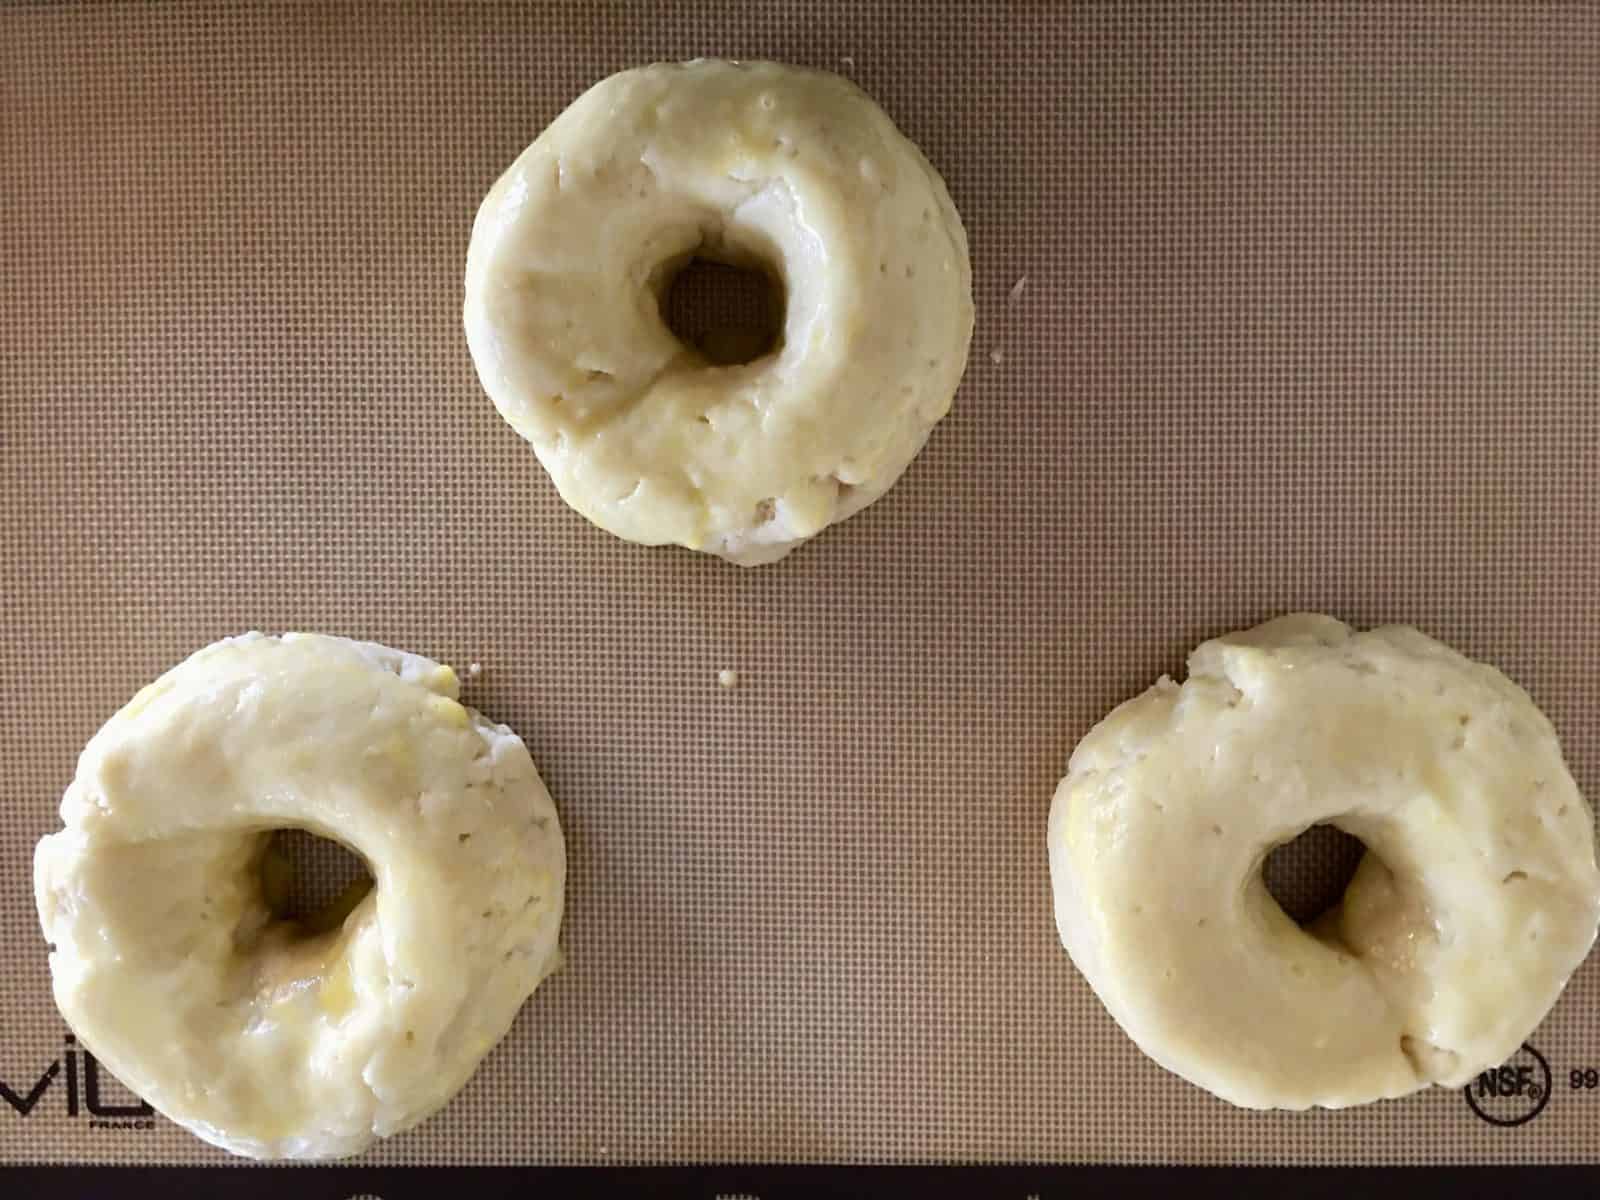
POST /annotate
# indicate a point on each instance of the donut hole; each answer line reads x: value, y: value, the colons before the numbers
x: 314, y: 882
x: 729, y: 309
x: 1309, y: 874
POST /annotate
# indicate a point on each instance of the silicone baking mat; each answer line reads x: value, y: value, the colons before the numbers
x: 1279, y: 307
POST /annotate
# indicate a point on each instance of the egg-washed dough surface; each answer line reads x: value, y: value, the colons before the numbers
x: 1477, y: 898
x: 795, y: 171
x: 259, y: 1035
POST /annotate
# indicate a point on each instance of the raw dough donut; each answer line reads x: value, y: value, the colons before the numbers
x: 1478, y: 898
x: 258, y: 1035
x: 754, y: 164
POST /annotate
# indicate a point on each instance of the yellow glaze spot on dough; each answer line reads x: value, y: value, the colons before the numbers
x: 449, y: 711
x: 337, y: 993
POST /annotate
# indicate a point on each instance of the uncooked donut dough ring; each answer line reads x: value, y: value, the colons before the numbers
x: 1476, y: 902
x: 256, y: 1035
x: 751, y: 164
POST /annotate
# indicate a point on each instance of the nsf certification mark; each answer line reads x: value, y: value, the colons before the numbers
x: 1513, y: 1093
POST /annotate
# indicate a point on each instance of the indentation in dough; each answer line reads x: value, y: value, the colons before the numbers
x: 597, y: 376
x: 1428, y: 1061
x: 766, y: 510
x: 1515, y: 877
x: 632, y: 492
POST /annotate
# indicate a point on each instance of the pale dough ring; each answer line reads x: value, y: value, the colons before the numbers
x: 750, y: 163
x: 257, y: 1035
x: 1478, y: 898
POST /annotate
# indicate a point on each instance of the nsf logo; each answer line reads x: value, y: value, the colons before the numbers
x: 1513, y: 1093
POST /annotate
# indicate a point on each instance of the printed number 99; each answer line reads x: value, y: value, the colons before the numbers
x: 1585, y: 1080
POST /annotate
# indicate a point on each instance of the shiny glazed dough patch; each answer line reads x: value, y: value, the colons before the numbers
x: 261, y: 1035
x: 753, y: 164
x: 1477, y: 899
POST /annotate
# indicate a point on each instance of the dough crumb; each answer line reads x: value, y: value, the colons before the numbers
x: 475, y: 669
x: 1018, y: 288
x: 727, y: 678
x: 847, y: 61
x: 997, y: 357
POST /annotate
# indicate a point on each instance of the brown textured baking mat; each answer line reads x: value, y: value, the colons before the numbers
x: 1310, y: 321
